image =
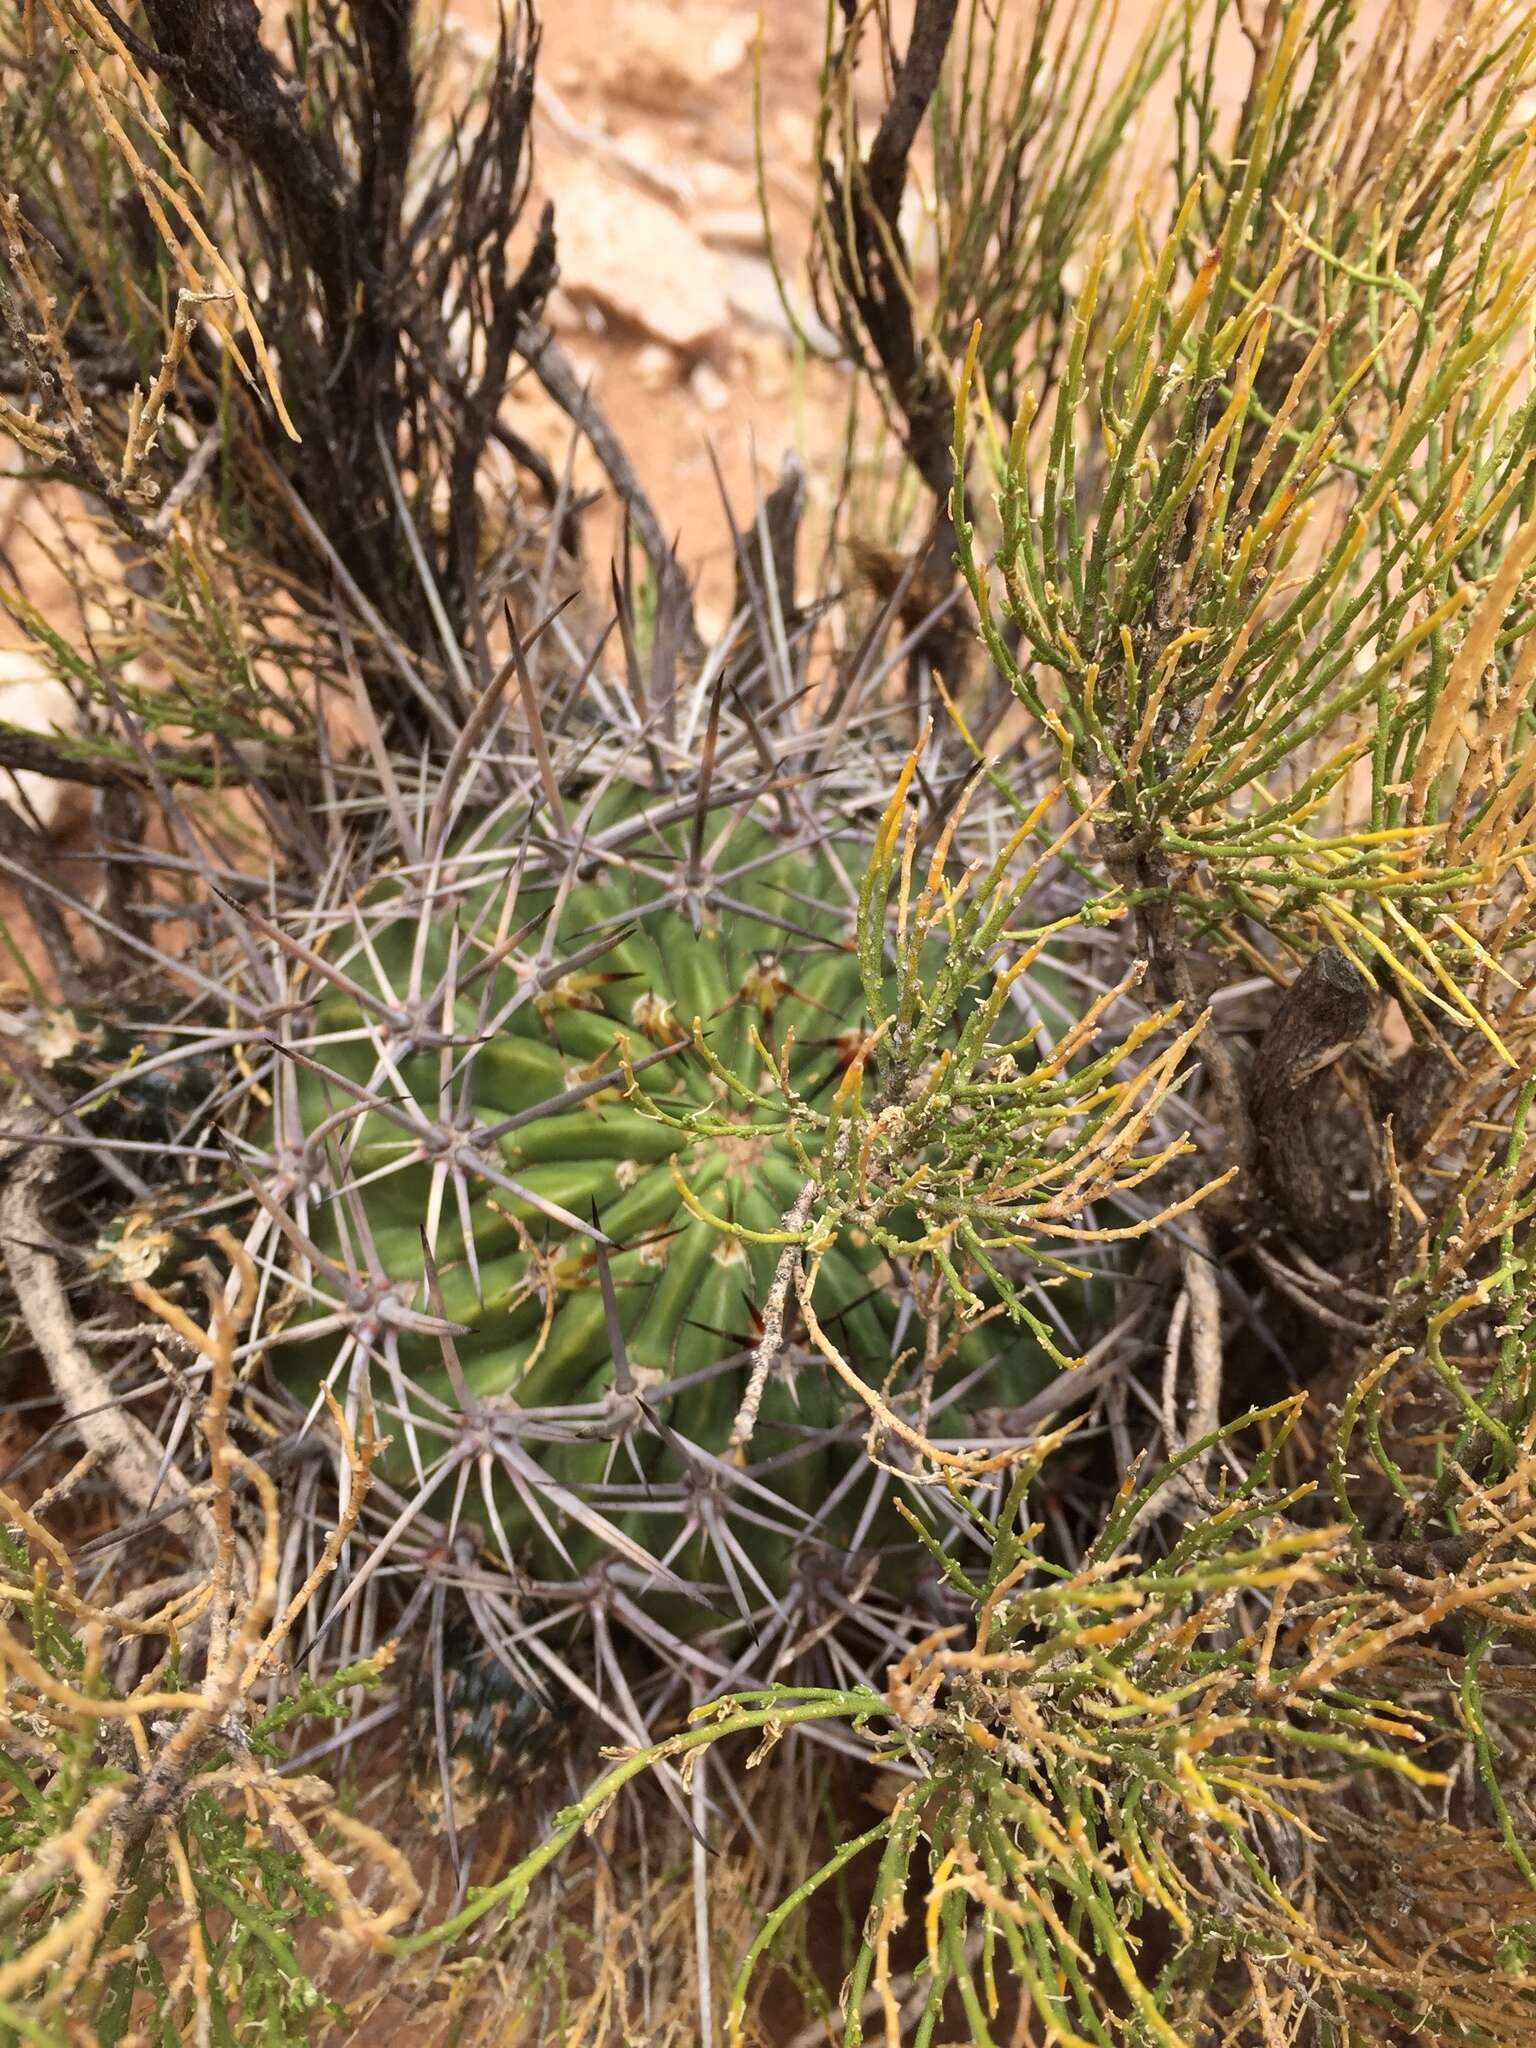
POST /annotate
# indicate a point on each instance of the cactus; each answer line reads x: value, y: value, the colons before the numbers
x: 663, y: 1161
x: 542, y: 1042
x: 621, y: 1236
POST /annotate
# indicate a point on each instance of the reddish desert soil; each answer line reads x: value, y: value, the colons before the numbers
x: 645, y: 140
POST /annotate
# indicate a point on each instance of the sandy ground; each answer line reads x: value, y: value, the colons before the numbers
x: 645, y: 140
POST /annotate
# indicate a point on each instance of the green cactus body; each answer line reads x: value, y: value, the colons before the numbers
x: 768, y: 971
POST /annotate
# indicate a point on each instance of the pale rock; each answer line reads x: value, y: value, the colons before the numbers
x: 919, y: 232
x: 656, y: 365
x: 722, y: 187
x: 562, y: 315
x: 585, y: 368
x: 709, y: 389
x: 633, y: 259
x: 728, y: 48
x: 737, y: 228
x: 795, y: 133
x: 767, y: 362
x: 660, y: 49
x: 38, y: 702
x: 752, y: 293
x: 647, y: 147
x: 568, y: 313
x: 647, y: 157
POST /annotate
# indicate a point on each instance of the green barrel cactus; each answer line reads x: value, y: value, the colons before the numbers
x: 572, y: 1092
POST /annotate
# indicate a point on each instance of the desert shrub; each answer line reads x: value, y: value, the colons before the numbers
x: 156, y: 1864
